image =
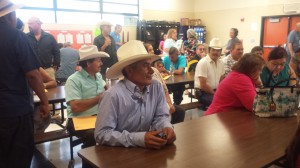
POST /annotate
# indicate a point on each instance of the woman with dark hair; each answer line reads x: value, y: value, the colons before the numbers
x: 237, y: 90
x: 233, y: 38
x: 277, y: 69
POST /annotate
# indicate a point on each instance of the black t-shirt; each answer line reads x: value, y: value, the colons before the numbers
x: 17, y: 57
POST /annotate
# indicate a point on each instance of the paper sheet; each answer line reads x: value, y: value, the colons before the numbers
x: 84, y: 123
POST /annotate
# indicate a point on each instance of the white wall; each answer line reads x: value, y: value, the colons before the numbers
x: 169, y: 10
x: 219, y: 17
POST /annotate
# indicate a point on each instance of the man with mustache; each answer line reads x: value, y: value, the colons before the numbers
x: 84, y: 90
x: 134, y: 112
x: 209, y: 72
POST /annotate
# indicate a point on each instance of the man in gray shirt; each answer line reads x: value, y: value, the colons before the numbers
x: 293, y: 42
x: 134, y: 112
x: 68, y: 62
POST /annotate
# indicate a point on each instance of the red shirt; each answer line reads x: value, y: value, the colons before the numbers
x: 237, y: 90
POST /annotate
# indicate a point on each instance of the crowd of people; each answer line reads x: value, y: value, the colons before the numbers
x: 137, y: 111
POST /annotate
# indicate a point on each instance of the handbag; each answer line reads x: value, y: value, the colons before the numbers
x: 277, y: 101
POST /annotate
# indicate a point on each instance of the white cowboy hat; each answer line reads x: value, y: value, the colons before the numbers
x: 90, y: 52
x: 216, y: 43
x: 104, y: 23
x: 6, y: 6
x: 129, y: 53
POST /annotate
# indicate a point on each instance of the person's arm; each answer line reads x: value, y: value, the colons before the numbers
x: 56, y: 54
x: 47, y: 80
x: 293, y: 65
x: 35, y: 82
x: 179, y: 71
x: 290, y: 46
x: 204, y: 86
x: 160, y: 47
x: 78, y: 106
x: 292, y: 74
x: 107, y: 43
x: 181, y: 65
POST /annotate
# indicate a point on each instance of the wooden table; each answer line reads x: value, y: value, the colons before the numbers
x: 54, y: 95
x: 231, y: 139
x: 187, y: 78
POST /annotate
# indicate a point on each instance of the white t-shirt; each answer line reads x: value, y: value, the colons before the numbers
x: 168, y: 44
x: 212, y: 71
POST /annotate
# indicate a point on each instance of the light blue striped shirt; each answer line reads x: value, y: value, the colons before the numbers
x: 124, y: 118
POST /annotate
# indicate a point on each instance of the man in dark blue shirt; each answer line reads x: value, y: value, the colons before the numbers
x: 18, y: 73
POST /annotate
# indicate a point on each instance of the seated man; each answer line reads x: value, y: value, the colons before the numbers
x: 236, y: 52
x: 209, y: 72
x: 134, y: 111
x: 177, y: 64
x: 68, y: 63
x: 84, y: 90
x: 41, y: 123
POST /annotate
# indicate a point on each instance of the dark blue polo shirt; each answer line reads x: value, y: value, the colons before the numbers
x: 16, y: 58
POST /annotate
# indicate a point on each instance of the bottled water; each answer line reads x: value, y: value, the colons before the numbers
x: 172, y: 70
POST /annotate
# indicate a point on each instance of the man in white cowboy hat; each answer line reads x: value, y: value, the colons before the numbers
x: 84, y: 90
x: 106, y: 43
x: 45, y: 46
x: 209, y: 72
x: 19, y: 73
x: 134, y: 112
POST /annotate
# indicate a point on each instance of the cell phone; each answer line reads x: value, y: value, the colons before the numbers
x: 161, y: 135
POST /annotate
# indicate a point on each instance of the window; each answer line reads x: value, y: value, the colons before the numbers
x: 133, y: 2
x: 80, y: 11
x: 79, y: 5
x: 78, y: 18
x: 46, y: 16
x: 120, y: 8
x: 35, y: 3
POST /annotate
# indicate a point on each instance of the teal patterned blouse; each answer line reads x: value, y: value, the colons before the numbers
x: 284, y: 74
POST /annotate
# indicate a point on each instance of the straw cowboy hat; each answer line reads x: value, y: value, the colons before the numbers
x: 216, y: 43
x: 6, y: 6
x: 129, y: 53
x: 90, y: 52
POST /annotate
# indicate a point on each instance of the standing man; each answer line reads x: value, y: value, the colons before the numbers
x: 293, y: 42
x: 45, y: 46
x: 19, y: 76
x: 236, y: 52
x: 106, y: 43
x: 209, y: 72
x: 117, y: 36
x: 134, y: 112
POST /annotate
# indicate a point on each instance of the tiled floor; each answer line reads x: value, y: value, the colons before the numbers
x: 58, y: 152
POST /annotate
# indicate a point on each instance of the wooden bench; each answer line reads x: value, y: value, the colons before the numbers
x: 51, y: 136
x: 191, y: 105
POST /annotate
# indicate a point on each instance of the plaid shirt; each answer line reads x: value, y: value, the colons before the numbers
x: 228, y: 63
